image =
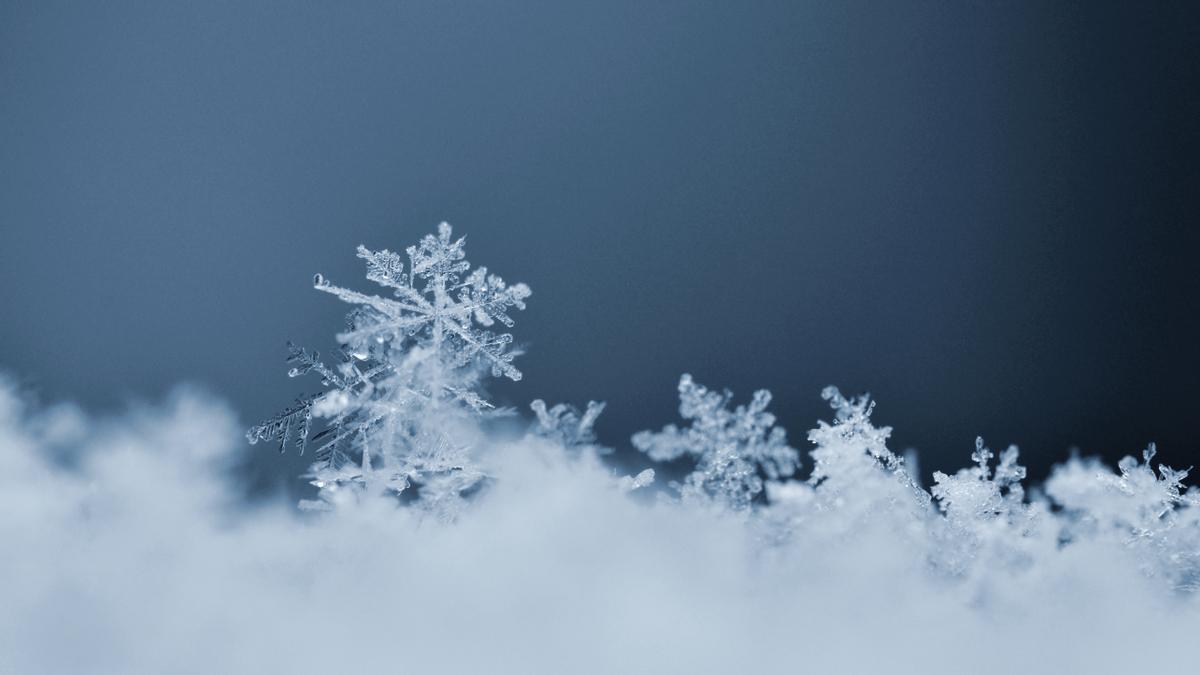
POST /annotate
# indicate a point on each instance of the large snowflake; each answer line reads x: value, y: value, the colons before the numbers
x: 404, y: 363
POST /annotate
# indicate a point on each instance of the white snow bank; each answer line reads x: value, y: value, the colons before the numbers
x: 123, y: 550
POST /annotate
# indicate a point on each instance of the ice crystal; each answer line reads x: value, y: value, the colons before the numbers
x: 850, y: 452
x: 566, y: 424
x: 1150, y: 514
x: 850, y: 436
x: 730, y: 447
x: 857, y: 484
x: 975, y: 493
x: 988, y: 526
x: 410, y: 367
x: 644, y: 478
x: 1154, y: 496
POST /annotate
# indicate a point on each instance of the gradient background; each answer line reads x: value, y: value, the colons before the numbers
x: 983, y: 214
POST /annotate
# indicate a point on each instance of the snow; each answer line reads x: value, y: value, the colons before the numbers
x: 127, y: 550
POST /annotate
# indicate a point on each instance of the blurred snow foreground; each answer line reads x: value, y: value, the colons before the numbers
x: 440, y: 543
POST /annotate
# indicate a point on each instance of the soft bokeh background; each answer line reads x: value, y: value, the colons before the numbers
x: 983, y: 214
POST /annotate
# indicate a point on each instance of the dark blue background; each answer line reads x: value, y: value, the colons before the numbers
x: 983, y: 213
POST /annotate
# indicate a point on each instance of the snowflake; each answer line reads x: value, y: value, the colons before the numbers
x: 1155, y: 495
x: 1148, y: 513
x: 851, y: 434
x: 730, y: 447
x: 856, y: 484
x: 408, y: 367
x: 974, y: 493
x: 988, y: 530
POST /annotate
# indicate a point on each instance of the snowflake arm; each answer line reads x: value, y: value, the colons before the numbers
x: 293, y: 422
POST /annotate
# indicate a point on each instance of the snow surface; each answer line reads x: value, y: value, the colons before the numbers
x: 126, y: 550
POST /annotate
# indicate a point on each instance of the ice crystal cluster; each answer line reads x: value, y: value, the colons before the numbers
x: 409, y: 382
x: 128, y: 550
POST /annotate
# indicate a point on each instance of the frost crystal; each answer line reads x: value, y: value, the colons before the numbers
x: 974, y: 493
x: 857, y: 484
x: 988, y: 526
x: 409, y: 372
x: 850, y: 451
x: 566, y: 424
x: 1148, y: 513
x: 849, y: 436
x: 630, y: 483
x: 730, y: 447
x: 1154, y: 496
